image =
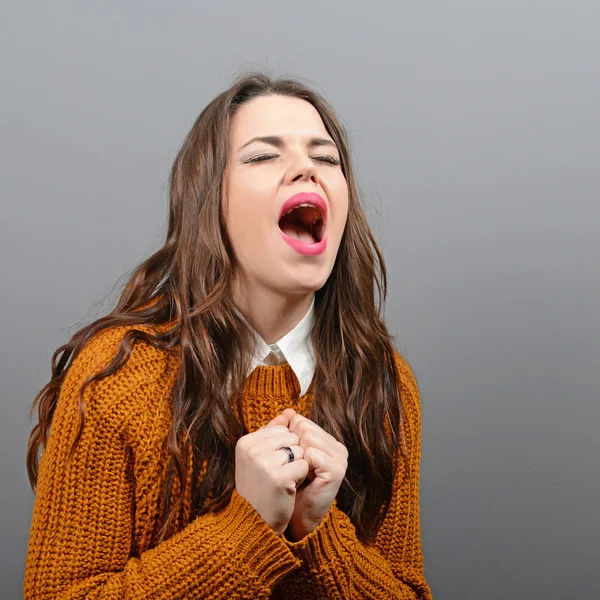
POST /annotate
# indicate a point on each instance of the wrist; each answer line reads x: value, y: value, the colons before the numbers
x: 294, y: 533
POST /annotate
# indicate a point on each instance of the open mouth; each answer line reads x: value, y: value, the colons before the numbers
x: 304, y: 223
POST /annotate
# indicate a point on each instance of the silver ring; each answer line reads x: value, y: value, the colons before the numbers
x: 289, y: 451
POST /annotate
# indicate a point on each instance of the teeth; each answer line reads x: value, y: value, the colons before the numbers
x: 316, y: 218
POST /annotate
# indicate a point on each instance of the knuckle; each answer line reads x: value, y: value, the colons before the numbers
x: 264, y: 464
x: 303, y: 423
x: 252, y: 452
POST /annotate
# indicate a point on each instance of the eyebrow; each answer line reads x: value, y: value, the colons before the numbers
x: 276, y: 140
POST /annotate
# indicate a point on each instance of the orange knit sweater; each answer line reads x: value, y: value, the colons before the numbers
x: 93, y: 517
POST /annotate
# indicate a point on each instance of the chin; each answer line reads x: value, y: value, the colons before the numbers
x: 308, y: 282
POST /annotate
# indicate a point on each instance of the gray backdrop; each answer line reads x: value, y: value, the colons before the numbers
x: 476, y: 134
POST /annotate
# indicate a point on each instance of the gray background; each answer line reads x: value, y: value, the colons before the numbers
x: 476, y: 134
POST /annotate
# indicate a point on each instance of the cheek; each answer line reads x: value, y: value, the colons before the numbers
x: 241, y: 202
x: 248, y: 210
x: 341, y: 203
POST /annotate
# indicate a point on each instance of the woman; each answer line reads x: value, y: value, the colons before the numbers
x: 240, y: 425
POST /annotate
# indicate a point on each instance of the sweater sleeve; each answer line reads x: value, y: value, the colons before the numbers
x: 336, y: 564
x: 81, y: 536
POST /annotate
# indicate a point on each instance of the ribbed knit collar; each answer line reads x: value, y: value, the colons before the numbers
x: 278, y: 381
x: 269, y: 390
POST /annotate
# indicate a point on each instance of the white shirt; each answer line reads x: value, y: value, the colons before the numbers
x: 294, y: 348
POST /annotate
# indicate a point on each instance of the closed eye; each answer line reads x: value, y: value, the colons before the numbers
x: 328, y: 159
x: 324, y: 158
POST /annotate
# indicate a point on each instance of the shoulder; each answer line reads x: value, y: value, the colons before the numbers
x: 147, y: 370
x: 100, y: 350
x: 407, y: 379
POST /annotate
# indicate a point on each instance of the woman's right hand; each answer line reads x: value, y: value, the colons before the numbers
x: 265, y: 477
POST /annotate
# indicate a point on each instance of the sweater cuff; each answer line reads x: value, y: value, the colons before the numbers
x: 259, y: 548
x: 328, y: 541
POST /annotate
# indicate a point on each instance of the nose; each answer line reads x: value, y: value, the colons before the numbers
x: 303, y: 168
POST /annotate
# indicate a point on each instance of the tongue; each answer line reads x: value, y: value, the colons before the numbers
x: 294, y: 231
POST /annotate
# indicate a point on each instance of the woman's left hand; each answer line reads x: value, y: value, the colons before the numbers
x: 327, y: 461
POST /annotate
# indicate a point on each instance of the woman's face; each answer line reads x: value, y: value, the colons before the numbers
x: 262, y: 175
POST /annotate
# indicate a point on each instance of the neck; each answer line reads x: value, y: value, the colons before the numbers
x: 272, y: 315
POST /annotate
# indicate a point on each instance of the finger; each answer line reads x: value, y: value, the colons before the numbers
x: 313, y: 438
x: 278, y: 440
x: 296, y: 471
x: 271, y: 430
x: 311, y: 434
x: 300, y: 424
x: 285, y: 457
x: 276, y: 421
x: 283, y: 418
x: 320, y: 463
x: 272, y: 438
x: 279, y: 420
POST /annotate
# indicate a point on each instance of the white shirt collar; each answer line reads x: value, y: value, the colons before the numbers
x: 295, y: 347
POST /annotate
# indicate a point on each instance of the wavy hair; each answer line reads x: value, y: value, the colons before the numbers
x: 182, y: 295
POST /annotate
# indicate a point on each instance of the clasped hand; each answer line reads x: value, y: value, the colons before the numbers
x: 327, y: 461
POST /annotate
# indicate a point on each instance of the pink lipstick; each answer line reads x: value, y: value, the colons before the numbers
x: 318, y: 203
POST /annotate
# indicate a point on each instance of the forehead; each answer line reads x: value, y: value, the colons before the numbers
x: 275, y: 115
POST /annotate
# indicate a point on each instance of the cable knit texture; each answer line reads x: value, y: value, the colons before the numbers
x: 93, y: 516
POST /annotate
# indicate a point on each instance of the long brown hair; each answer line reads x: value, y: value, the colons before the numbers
x: 181, y: 296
